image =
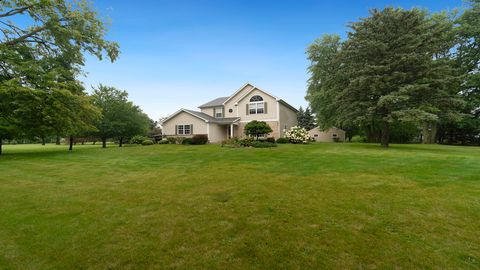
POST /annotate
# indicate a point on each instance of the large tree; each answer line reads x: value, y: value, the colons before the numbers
x: 390, y: 69
x: 41, y: 47
x: 120, y: 118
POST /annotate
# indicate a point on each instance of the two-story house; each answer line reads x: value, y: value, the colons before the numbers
x: 225, y: 117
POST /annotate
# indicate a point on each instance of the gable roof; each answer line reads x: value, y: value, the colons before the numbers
x: 213, y: 103
x: 222, y: 100
x: 205, y: 117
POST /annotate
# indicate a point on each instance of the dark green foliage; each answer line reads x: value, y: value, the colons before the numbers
x: 172, y: 140
x: 199, y: 139
x: 138, y: 139
x: 186, y: 141
x: 147, y: 142
x: 256, y: 128
x: 120, y: 117
x: 305, y: 118
x: 260, y: 144
x: 393, y: 67
x: 163, y: 141
x: 270, y: 139
x: 246, y: 142
x: 282, y: 140
x: 41, y: 58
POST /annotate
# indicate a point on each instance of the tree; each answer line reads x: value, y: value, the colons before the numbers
x: 256, y: 128
x: 305, y: 118
x: 390, y: 69
x: 120, y: 117
x: 40, y: 63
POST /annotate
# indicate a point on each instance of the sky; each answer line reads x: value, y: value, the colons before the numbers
x: 180, y: 54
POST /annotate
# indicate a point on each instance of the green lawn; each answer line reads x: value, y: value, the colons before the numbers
x: 311, y: 206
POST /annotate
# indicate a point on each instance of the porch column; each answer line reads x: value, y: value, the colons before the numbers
x: 231, y: 130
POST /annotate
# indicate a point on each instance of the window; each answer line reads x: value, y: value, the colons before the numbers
x: 256, y: 105
x: 218, y: 112
x: 230, y: 110
x: 184, y: 129
x: 256, y: 99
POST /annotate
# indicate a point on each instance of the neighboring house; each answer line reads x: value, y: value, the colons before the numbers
x: 226, y: 117
x: 328, y: 135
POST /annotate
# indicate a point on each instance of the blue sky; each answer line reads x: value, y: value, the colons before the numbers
x: 181, y: 54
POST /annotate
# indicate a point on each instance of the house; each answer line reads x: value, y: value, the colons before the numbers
x: 329, y: 135
x: 226, y: 117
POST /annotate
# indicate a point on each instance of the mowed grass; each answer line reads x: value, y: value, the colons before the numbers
x: 316, y: 206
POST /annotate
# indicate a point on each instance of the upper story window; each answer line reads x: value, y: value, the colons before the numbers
x: 256, y: 105
x: 218, y: 112
x: 256, y: 98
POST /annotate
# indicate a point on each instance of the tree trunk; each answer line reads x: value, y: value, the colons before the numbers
x: 385, y: 134
x: 104, y: 142
x: 43, y: 140
x: 121, y: 142
x: 57, y: 140
x: 71, y: 143
x: 94, y: 142
x: 429, y: 133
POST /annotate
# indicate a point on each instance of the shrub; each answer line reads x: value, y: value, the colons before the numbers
x: 147, y: 142
x: 232, y: 142
x: 179, y: 140
x: 163, y: 141
x: 138, y: 139
x: 258, y: 144
x: 282, y: 140
x: 200, y: 139
x: 186, y: 141
x: 271, y: 140
x: 297, y: 135
x: 246, y: 142
x: 171, y: 140
x: 256, y: 128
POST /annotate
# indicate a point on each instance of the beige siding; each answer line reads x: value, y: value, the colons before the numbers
x: 231, y: 103
x: 288, y: 118
x: 208, y: 111
x: 271, y: 103
x: 327, y: 135
x: 183, y: 118
x: 218, y: 133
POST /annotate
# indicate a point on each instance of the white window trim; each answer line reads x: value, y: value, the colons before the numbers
x: 256, y: 107
x: 184, y: 129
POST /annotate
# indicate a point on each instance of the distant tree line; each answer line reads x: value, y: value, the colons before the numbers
x: 40, y: 95
x: 401, y: 74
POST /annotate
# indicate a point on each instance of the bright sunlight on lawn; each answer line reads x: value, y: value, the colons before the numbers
x: 294, y: 206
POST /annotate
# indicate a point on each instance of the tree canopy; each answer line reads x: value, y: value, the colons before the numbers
x: 120, y: 118
x: 40, y: 65
x: 395, y: 66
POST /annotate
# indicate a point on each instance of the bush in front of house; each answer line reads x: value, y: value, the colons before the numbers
x: 163, y: 141
x: 260, y: 144
x: 138, y: 139
x: 171, y: 140
x: 257, y: 128
x: 199, y: 139
x: 246, y: 142
x: 270, y: 140
x: 147, y: 142
x: 297, y: 135
x: 282, y: 140
x: 187, y: 141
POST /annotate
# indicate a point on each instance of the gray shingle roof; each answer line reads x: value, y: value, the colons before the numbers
x: 226, y: 120
x: 216, y: 102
